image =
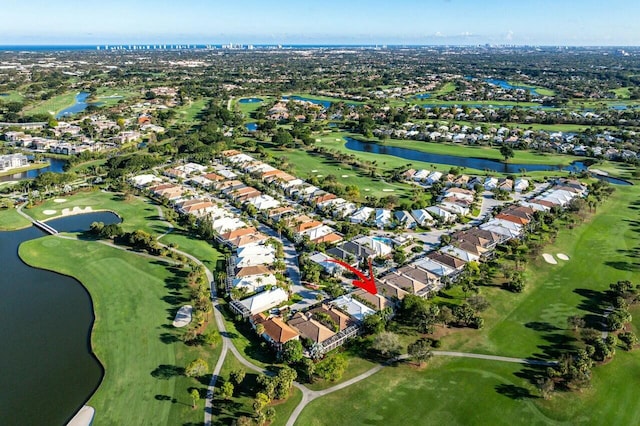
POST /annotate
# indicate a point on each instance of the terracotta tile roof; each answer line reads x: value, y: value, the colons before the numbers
x: 276, y: 329
x: 514, y: 219
x: 329, y: 238
x: 238, y: 233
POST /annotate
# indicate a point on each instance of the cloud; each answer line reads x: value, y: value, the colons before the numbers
x: 509, y: 35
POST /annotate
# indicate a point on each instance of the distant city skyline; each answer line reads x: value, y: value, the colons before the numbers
x: 429, y: 22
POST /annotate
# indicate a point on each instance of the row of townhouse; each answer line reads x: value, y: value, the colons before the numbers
x: 249, y: 269
x: 429, y: 177
x: 433, y: 271
x: 303, y: 226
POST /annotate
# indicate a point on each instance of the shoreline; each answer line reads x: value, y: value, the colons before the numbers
x: 33, y: 166
x: 91, y: 328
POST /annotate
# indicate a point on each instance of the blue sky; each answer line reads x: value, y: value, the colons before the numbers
x: 544, y: 22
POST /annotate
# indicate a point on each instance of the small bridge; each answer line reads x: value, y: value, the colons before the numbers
x: 46, y: 228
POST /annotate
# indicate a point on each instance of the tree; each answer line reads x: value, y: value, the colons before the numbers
x: 237, y: 375
x: 576, y: 322
x: 308, y: 367
x: 617, y: 319
x: 373, y: 324
x: 629, y: 339
x: 420, y: 350
x: 260, y: 402
x: 196, y: 368
x: 211, y: 338
x: 195, y: 397
x: 332, y: 368
x: 292, y: 351
x: 507, y: 152
x: 388, y: 344
x: 226, y: 391
x: 284, y: 382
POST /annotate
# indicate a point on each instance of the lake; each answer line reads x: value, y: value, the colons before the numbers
x: 49, y: 370
x: 80, y: 105
x: 55, y: 165
x: 325, y: 104
x: 471, y: 162
x: 505, y: 85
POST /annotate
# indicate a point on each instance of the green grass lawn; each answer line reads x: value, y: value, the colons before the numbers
x: 247, y: 108
x: 135, y: 299
x: 84, y: 167
x: 224, y: 412
x: 446, y: 392
x: 10, y: 220
x: 622, y: 92
x: 189, y: 114
x: 110, y: 96
x: 540, y: 90
x: 136, y: 213
x: 531, y: 324
x: 11, y: 96
x: 54, y: 105
x: 447, y: 88
x: 202, y: 250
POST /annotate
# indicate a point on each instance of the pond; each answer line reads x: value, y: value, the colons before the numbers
x: 55, y: 165
x: 471, y: 162
x: 49, y: 370
x: 80, y: 105
x: 250, y: 100
x: 252, y: 127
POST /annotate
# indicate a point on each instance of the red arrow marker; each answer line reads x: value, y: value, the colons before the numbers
x: 365, y: 283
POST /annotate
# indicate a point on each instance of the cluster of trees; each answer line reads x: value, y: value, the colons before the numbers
x: 120, y: 166
x: 574, y: 368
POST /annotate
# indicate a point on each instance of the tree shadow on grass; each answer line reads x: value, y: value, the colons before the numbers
x: 169, y: 338
x: 167, y: 371
x: 541, y: 326
x: 624, y: 266
x: 514, y: 392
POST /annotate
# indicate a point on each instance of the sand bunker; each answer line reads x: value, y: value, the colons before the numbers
x: 345, y: 176
x: 367, y: 189
x: 549, y: 259
x: 183, y: 316
x: 562, y: 256
x: 49, y: 212
x: 83, y: 417
x: 337, y: 139
x: 388, y: 190
x: 59, y: 200
x: 319, y: 175
x: 314, y: 171
x: 76, y: 210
